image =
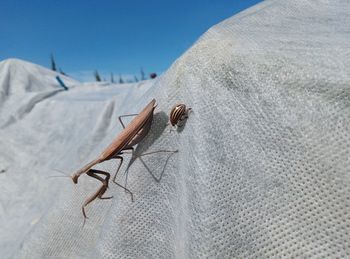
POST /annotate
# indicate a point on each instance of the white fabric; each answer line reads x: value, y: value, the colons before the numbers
x: 263, y: 168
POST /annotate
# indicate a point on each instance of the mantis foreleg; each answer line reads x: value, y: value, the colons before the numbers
x: 98, y: 194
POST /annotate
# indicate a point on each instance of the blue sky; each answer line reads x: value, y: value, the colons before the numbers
x: 110, y: 36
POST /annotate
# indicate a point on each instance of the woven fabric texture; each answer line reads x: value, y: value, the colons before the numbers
x: 263, y: 168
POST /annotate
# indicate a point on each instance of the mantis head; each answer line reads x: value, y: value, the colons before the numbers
x: 75, y: 178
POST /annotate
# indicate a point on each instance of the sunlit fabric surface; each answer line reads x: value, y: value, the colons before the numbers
x: 263, y: 168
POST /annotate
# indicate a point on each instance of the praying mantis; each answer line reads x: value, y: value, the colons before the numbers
x: 130, y: 136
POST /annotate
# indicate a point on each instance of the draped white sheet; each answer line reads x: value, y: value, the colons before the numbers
x: 263, y: 168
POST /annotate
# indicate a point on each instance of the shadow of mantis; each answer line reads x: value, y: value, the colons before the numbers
x: 158, y: 127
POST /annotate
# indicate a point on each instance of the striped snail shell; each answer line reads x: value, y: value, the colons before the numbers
x: 178, y: 113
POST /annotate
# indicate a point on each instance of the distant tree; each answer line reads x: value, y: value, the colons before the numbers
x: 112, y: 78
x: 97, y: 76
x: 142, y: 74
x: 136, y: 79
x: 53, y: 63
x: 121, y: 81
x: 59, y: 80
x: 62, y: 73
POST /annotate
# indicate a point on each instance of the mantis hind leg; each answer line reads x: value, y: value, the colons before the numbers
x: 147, y: 168
x: 159, y: 151
x: 115, y: 176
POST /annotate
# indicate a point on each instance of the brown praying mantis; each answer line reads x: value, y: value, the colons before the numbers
x: 131, y: 135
